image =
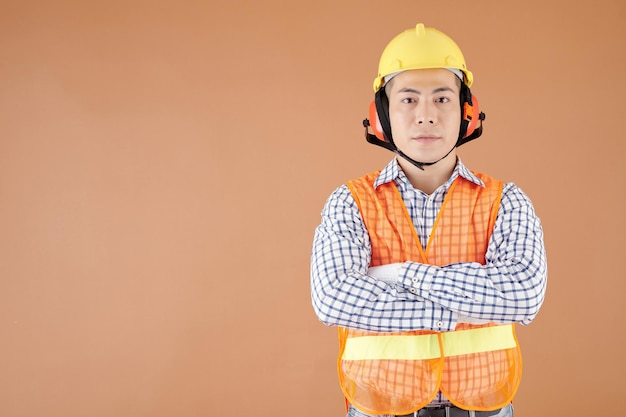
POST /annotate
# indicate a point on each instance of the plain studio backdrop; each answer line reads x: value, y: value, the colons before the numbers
x: 163, y: 165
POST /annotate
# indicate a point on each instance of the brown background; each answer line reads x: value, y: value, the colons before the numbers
x: 163, y: 166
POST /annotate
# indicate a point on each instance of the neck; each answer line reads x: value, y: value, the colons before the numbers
x: 432, y: 177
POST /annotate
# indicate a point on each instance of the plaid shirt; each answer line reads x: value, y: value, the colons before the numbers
x: 509, y: 288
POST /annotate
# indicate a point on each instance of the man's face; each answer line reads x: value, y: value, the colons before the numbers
x: 425, y: 112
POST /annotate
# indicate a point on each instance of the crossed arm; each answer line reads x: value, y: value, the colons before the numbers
x: 509, y: 288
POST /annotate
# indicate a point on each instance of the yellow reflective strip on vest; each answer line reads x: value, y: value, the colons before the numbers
x: 484, y: 339
x: 406, y: 347
x: 423, y: 347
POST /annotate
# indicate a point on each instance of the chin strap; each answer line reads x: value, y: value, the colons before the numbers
x: 373, y: 139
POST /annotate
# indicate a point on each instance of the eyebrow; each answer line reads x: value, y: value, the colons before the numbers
x: 436, y: 90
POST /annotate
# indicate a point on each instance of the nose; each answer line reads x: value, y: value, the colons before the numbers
x: 425, y: 112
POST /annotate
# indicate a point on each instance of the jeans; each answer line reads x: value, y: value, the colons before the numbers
x: 504, y: 412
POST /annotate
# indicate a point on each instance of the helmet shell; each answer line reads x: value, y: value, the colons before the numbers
x: 420, y: 48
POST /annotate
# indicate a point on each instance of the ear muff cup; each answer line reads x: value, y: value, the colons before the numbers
x: 379, y: 112
x: 374, y: 122
x: 471, y: 114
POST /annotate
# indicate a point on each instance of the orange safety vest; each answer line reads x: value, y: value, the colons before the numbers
x: 477, y: 367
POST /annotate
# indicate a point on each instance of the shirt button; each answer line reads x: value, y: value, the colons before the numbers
x: 413, y: 290
x: 440, y: 324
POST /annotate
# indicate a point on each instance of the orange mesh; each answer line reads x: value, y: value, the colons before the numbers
x: 385, y: 386
x: 477, y: 381
x: 482, y: 381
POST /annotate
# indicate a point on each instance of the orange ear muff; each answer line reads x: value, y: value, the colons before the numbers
x: 471, y: 114
x: 375, y: 125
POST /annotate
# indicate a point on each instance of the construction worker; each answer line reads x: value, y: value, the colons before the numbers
x: 425, y: 266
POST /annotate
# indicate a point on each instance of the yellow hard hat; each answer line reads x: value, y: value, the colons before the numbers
x: 420, y: 48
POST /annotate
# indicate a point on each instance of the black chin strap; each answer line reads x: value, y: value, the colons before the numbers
x: 391, y: 147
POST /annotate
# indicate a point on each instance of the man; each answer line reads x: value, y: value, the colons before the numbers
x: 426, y: 266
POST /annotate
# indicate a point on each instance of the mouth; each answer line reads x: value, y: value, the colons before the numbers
x: 425, y: 138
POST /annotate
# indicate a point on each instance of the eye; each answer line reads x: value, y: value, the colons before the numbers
x: 442, y: 99
x: 408, y: 100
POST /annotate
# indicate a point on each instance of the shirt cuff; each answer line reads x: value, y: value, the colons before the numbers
x: 418, y: 278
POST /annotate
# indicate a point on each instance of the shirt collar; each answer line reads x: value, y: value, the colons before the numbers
x: 393, y: 172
